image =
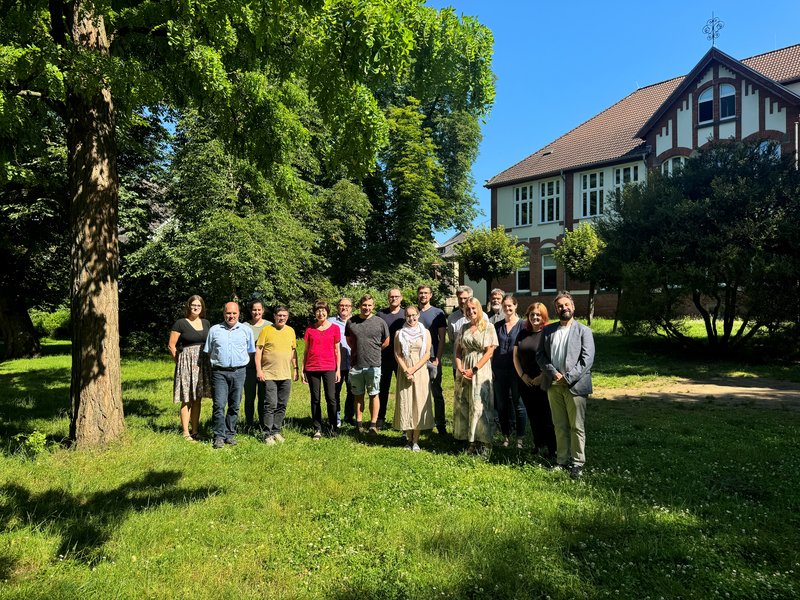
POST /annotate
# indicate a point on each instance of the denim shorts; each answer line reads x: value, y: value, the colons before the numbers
x: 367, y: 379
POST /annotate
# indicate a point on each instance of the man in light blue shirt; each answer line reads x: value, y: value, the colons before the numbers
x: 228, y: 345
x: 344, y: 308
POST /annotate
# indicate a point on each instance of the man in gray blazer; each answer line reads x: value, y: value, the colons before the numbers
x: 566, y: 356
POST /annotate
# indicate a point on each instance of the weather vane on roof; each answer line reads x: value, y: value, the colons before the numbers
x: 713, y: 25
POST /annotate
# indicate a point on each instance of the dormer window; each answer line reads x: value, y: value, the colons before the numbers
x: 705, y: 106
x: 727, y: 101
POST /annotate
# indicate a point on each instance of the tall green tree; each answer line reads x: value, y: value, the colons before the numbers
x: 487, y: 254
x: 88, y: 60
x: 714, y: 234
x: 577, y: 253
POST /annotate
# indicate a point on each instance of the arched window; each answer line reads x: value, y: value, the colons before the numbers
x: 705, y: 106
x: 727, y: 101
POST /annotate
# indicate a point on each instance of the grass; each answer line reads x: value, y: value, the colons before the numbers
x: 679, y: 501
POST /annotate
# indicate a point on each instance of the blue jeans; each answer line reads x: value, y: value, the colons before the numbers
x: 227, y: 391
x: 349, y: 405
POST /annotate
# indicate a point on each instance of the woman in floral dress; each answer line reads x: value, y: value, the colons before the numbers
x: 473, y: 412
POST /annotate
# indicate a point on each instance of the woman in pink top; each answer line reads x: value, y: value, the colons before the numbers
x: 321, y: 363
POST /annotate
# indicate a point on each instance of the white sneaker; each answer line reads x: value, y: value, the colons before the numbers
x: 279, y: 438
x: 269, y: 440
x: 416, y: 448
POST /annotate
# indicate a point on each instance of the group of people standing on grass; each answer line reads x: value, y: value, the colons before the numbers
x: 507, y: 370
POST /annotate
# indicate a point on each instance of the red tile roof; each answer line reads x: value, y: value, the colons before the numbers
x: 611, y: 135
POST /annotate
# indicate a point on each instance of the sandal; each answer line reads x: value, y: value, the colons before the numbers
x: 189, y: 437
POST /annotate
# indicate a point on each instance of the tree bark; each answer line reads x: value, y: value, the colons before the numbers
x: 16, y: 329
x: 96, y: 415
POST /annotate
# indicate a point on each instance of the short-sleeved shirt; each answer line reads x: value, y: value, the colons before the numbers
x: 321, y: 348
x: 229, y: 347
x: 344, y: 349
x: 369, y: 335
x: 503, y: 357
x: 433, y: 320
x: 528, y: 343
x: 455, y: 322
x: 395, y: 323
x: 189, y: 335
x: 278, y: 348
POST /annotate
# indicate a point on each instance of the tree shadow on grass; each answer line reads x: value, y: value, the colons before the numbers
x: 31, y: 395
x: 85, y: 522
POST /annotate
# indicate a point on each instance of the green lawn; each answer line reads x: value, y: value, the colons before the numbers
x: 678, y: 501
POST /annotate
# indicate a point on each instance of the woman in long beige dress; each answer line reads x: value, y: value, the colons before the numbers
x: 473, y: 412
x: 412, y: 406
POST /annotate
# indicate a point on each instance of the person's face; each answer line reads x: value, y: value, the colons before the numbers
x: 462, y: 300
x: 565, y: 309
x: 280, y: 319
x: 257, y: 311
x: 195, y: 308
x: 366, y: 308
x: 231, y: 314
x: 424, y: 296
x: 395, y: 297
x: 344, y: 307
x: 535, y: 317
x: 497, y: 300
x: 321, y: 314
x: 412, y: 317
x: 509, y: 308
x: 471, y: 312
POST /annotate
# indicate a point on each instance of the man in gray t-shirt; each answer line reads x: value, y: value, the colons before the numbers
x: 367, y: 336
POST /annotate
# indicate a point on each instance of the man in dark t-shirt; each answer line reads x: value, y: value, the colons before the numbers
x: 394, y: 316
x: 433, y: 318
x: 367, y: 336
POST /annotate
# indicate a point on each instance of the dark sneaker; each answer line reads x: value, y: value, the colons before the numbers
x: 231, y: 441
x: 380, y: 425
x: 218, y: 443
x: 317, y: 436
x: 576, y: 472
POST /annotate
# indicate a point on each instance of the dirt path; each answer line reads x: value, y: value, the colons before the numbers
x: 766, y: 393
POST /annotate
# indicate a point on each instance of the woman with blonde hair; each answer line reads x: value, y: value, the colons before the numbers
x: 473, y: 412
x: 192, y: 380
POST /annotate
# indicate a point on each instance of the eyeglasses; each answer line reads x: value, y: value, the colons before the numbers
x: 395, y: 297
x: 196, y: 305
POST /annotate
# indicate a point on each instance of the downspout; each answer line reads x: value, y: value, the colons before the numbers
x: 796, y: 146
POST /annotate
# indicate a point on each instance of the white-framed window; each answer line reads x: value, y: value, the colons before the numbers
x: 523, y: 206
x: 524, y: 280
x: 593, y: 194
x: 727, y: 101
x: 550, y: 201
x: 625, y: 175
x: 672, y: 165
x: 549, y: 273
x: 705, y: 106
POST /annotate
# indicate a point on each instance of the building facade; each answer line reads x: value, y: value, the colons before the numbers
x: 656, y: 127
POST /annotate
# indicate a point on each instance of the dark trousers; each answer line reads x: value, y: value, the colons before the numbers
x: 435, y: 375
x: 537, y: 406
x: 227, y: 393
x: 275, y: 402
x: 507, y: 401
x: 326, y: 380
x: 349, y: 403
x: 253, y: 388
x: 388, y: 368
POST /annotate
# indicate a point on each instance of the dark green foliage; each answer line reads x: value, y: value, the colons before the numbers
x: 716, y: 238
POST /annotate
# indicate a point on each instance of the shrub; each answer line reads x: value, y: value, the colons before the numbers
x: 54, y: 324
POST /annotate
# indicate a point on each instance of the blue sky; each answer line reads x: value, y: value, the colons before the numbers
x: 560, y: 63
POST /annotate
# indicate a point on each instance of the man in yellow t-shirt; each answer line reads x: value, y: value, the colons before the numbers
x: 276, y: 358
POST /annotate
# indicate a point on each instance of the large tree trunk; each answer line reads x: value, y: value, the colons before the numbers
x: 16, y: 328
x: 96, y: 416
